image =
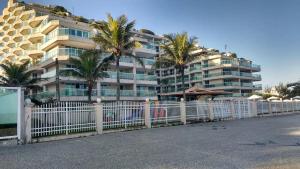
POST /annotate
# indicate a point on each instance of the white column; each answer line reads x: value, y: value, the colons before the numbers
x: 147, y: 114
x: 99, y: 116
x: 27, y: 121
x: 211, y: 111
x: 183, y: 111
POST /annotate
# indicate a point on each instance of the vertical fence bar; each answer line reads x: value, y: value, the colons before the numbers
x: 67, y: 118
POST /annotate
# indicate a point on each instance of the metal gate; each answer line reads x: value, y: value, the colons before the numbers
x: 11, y: 106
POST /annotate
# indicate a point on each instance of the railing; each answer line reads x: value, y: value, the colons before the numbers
x: 148, y: 61
x: 63, y: 118
x: 195, y: 68
x: 196, y: 78
x: 126, y: 59
x: 144, y: 93
x: 123, y: 115
x: 232, y: 63
x: 257, y: 87
x: 165, y: 113
x: 123, y: 75
x: 223, y: 84
x: 146, y: 77
x: 113, y: 92
x: 68, y: 32
x: 76, y: 92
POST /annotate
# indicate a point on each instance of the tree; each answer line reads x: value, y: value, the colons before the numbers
x: 295, y: 91
x: 178, y: 53
x: 282, y: 90
x: 115, y: 37
x: 89, y: 66
x: 16, y: 75
x: 267, y: 89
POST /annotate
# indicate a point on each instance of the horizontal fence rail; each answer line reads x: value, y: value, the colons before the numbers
x: 63, y: 118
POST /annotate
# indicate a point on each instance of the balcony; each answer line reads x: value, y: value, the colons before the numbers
x: 68, y: 37
x: 146, y: 50
x: 144, y: 93
x: 113, y: 75
x: 146, y: 77
x: 113, y: 92
x: 49, y: 74
x: 27, y: 15
x: 49, y: 25
x: 34, y: 51
x: 247, y: 85
x: 196, y: 78
x: 257, y: 87
x: 232, y: 63
x: 223, y: 85
x: 67, y: 92
x: 63, y: 53
x: 195, y: 68
x: 37, y: 20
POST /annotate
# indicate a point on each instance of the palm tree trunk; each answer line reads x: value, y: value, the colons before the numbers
x: 182, y: 83
x: 118, y: 77
x: 90, y: 88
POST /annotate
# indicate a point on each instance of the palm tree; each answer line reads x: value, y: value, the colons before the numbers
x: 89, y: 66
x: 16, y: 75
x: 115, y: 37
x: 177, y: 52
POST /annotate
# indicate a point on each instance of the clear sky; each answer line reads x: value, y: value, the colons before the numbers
x: 265, y: 31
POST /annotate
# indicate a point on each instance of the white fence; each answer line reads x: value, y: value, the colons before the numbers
x: 123, y: 114
x: 74, y: 117
x: 62, y: 118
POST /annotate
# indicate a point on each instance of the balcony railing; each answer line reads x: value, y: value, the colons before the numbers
x: 195, y: 68
x: 257, y: 87
x: 225, y: 84
x: 68, y: 32
x: 232, y: 63
x: 113, y: 92
x: 76, y: 92
x: 113, y: 75
x: 144, y: 93
x: 196, y: 78
x: 146, y: 77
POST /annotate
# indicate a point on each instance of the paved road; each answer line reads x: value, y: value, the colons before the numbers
x: 272, y: 142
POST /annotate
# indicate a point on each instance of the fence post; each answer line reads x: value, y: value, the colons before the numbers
x: 182, y: 111
x: 99, y: 116
x: 254, y: 108
x: 232, y: 109
x: 270, y: 107
x: 67, y: 118
x: 147, y: 113
x: 211, y: 111
x: 27, y: 121
x: 281, y: 106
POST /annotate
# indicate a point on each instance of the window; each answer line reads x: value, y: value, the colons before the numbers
x: 85, y: 34
x: 72, y: 32
x: 79, y: 33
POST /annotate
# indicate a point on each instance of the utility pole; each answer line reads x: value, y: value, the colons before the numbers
x: 57, y: 80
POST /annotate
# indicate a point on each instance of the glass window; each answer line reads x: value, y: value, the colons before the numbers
x: 72, y: 32
x: 85, y: 34
x: 79, y: 33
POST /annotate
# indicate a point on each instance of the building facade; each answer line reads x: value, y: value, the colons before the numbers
x: 42, y: 34
x: 39, y: 34
x: 214, y: 71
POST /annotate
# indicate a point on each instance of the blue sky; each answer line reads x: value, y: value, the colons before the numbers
x: 265, y: 31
